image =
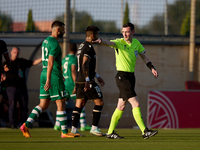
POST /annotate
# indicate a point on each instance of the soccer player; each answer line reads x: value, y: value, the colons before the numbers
x: 86, y: 87
x: 51, y: 81
x: 126, y: 51
x: 69, y: 67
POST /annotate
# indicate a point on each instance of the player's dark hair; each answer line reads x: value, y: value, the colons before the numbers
x: 57, y: 24
x: 72, y: 47
x: 91, y: 30
x: 129, y: 25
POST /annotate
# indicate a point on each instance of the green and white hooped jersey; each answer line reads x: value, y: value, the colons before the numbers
x: 67, y: 62
x: 126, y: 54
x: 50, y: 46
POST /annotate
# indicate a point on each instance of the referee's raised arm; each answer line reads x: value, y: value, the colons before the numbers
x: 104, y: 42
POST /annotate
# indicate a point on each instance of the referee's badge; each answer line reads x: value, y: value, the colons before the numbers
x: 136, y: 53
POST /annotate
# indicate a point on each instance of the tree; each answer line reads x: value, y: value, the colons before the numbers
x: 83, y: 19
x: 185, y: 27
x: 5, y: 23
x: 176, y: 14
x: 126, y: 14
x: 106, y: 26
x: 30, y: 27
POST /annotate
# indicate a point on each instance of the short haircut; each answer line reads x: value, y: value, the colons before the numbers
x: 72, y: 47
x: 129, y: 25
x: 91, y: 30
x: 3, y: 45
x: 16, y: 48
x: 57, y: 24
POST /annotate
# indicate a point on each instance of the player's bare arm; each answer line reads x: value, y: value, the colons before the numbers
x: 104, y: 42
x: 100, y: 80
x: 149, y: 65
x: 73, y: 71
x: 85, y: 67
x: 37, y: 61
x: 49, y: 71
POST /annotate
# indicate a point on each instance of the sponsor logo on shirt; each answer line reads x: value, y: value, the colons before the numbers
x: 45, y: 41
x: 136, y: 53
x: 81, y: 46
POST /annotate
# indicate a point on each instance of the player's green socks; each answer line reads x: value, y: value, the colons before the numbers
x: 138, y: 118
x: 114, y: 120
x: 82, y: 118
x: 33, y: 116
x: 62, y: 117
x: 57, y: 123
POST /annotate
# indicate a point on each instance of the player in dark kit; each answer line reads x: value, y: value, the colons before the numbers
x: 86, y: 87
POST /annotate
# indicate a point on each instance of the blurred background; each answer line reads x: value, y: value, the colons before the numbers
x: 151, y: 17
x: 168, y: 29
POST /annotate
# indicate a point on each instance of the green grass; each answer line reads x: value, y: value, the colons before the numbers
x: 48, y: 139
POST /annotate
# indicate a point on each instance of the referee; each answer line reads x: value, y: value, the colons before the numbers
x: 126, y: 51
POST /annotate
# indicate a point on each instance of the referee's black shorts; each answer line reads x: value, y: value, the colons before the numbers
x: 126, y: 84
x: 93, y: 93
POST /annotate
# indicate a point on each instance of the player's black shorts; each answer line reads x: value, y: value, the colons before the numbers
x: 126, y: 84
x: 93, y: 93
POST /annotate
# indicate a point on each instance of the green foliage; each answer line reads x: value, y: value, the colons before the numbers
x: 30, y: 27
x: 176, y: 14
x: 126, y: 14
x: 106, y: 26
x: 5, y: 23
x: 185, y: 27
x: 83, y: 19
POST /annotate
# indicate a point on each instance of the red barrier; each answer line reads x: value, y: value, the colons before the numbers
x: 173, y: 109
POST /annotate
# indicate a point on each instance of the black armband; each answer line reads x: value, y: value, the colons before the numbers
x: 150, y: 66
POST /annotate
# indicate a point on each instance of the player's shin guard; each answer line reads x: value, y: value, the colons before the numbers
x: 138, y: 118
x: 62, y: 117
x: 33, y: 116
x: 76, y: 116
x: 114, y: 120
x: 96, y: 115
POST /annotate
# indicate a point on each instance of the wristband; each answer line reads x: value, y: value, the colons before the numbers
x: 96, y: 75
x: 87, y: 79
x: 150, y: 66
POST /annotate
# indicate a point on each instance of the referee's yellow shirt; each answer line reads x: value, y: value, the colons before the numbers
x: 127, y: 53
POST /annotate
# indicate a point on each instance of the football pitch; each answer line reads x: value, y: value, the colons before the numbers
x: 49, y: 139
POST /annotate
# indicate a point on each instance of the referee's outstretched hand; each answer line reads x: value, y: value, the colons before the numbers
x: 97, y: 41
